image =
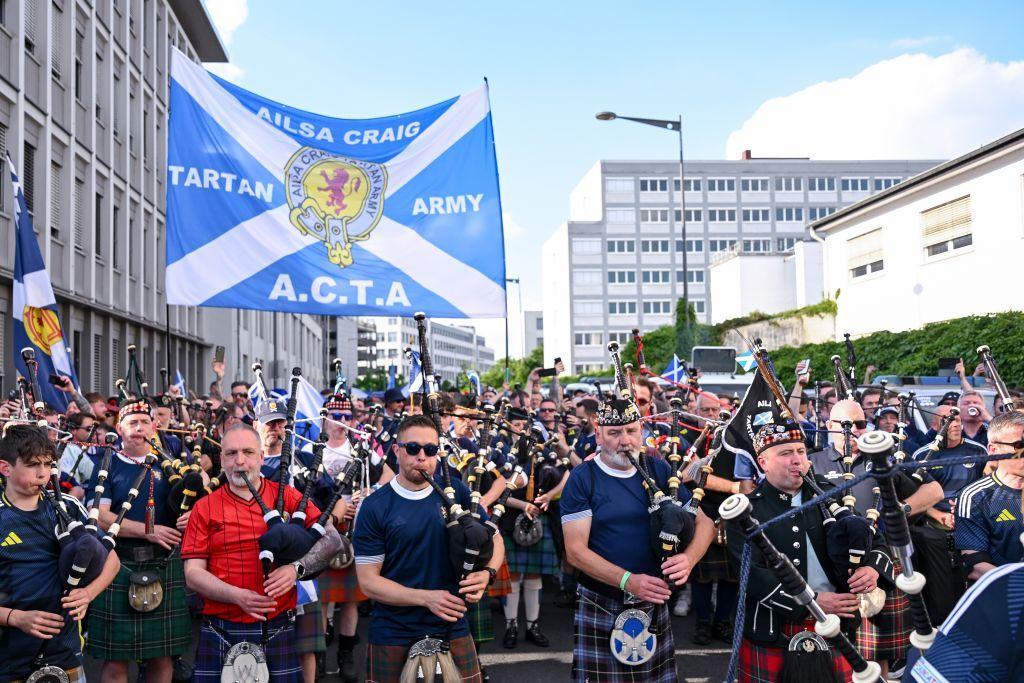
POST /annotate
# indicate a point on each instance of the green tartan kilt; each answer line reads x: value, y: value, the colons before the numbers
x: 116, y: 632
x: 478, y: 616
x: 539, y: 558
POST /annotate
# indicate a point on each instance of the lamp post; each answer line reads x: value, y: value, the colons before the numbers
x: 676, y: 125
x: 515, y: 281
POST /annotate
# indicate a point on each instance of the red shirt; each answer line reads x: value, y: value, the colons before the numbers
x: 224, y: 530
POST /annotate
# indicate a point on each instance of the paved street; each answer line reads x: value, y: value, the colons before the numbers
x: 530, y: 663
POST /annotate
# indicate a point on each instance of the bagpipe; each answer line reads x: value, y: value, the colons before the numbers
x: 993, y: 374
x: 848, y: 536
x: 355, y: 470
x: 672, y: 525
x: 936, y: 445
x: 470, y: 541
x: 738, y: 508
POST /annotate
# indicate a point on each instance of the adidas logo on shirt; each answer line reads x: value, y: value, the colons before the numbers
x: 12, y: 539
x: 1006, y: 516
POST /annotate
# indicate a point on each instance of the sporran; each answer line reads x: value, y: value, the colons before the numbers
x: 245, y: 662
x: 632, y: 643
x: 145, y: 591
x: 48, y: 674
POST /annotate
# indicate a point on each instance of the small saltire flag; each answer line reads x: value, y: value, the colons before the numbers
x: 275, y: 208
x: 257, y: 391
x: 392, y: 381
x: 34, y: 307
x: 179, y: 382
x: 746, y: 361
x: 676, y: 370
x: 309, y: 401
x: 415, y: 375
x: 474, y: 380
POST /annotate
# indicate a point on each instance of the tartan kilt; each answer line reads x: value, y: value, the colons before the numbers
x: 886, y: 636
x: 715, y: 566
x: 481, y: 624
x: 502, y: 585
x: 539, y: 558
x: 340, y: 586
x: 309, y: 629
x: 117, y: 632
x: 762, y: 664
x: 282, y: 658
x: 384, y: 663
x: 592, y: 658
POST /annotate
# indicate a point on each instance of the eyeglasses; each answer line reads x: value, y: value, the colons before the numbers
x: 1012, y: 444
x: 243, y: 395
x: 413, y: 448
x: 340, y: 416
x: 547, y: 410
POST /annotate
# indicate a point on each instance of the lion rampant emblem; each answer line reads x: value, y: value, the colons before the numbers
x: 338, y: 200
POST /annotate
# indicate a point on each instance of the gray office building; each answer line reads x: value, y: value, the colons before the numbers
x: 83, y: 114
x: 617, y: 264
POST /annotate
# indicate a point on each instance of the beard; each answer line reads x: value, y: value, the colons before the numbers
x: 239, y: 478
x: 618, y: 458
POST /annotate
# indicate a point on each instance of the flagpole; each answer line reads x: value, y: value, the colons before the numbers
x: 167, y: 337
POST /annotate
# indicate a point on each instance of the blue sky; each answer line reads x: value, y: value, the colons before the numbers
x: 551, y: 66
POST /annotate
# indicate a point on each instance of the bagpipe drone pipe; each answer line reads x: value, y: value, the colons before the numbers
x: 672, y: 525
x: 848, y: 536
x: 738, y: 508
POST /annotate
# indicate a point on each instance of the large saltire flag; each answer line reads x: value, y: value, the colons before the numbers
x: 34, y: 307
x: 274, y: 208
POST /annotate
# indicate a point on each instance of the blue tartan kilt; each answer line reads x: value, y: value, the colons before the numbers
x: 592, y: 658
x: 540, y: 558
x: 282, y: 657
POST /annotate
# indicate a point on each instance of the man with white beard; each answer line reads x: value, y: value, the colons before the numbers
x: 604, y: 515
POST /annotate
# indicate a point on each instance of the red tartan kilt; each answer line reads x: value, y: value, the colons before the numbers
x: 502, y: 585
x: 340, y: 586
x: 760, y: 664
x: 886, y: 636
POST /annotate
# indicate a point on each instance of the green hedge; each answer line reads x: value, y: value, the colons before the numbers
x: 916, y: 352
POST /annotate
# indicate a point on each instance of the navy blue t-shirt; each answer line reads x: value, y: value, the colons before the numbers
x: 404, y: 531
x: 981, y: 640
x: 954, y: 478
x: 586, y: 445
x: 617, y: 505
x: 123, y: 472
x: 30, y: 580
x: 988, y: 519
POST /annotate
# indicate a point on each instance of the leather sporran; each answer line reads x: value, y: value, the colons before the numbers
x: 807, y: 660
x: 145, y: 591
x: 430, y: 660
x: 527, y: 531
x: 344, y: 557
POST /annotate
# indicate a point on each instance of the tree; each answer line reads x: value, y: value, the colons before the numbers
x: 519, y: 369
x: 377, y: 380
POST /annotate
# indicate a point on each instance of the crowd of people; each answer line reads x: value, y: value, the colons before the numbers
x: 569, y: 479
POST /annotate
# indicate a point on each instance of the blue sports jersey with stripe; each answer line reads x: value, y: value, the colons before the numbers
x: 954, y: 478
x: 988, y: 520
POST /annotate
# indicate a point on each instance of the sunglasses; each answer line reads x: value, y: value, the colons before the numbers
x: 856, y: 424
x: 642, y: 402
x: 340, y: 416
x: 547, y: 410
x: 413, y: 448
x: 239, y: 395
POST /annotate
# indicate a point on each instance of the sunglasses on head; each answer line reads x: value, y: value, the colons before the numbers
x: 413, y: 448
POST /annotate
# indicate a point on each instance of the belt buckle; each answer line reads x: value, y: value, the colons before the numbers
x: 142, y: 553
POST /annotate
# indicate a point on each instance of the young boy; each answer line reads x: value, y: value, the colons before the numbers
x: 35, y: 617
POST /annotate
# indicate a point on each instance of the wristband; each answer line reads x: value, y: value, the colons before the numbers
x: 624, y: 579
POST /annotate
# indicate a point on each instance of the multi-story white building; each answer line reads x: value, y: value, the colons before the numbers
x: 934, y: 248
x: 453, y: 348
x: 533, y: 331
x: 83, y: 114
x: 618, y: 262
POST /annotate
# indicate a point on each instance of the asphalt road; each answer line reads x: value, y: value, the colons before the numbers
x: 528, y: 662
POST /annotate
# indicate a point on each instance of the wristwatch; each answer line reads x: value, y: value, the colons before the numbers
x: 300, y: 569
x: 493, y: 572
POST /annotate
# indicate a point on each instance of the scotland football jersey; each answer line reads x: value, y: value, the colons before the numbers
x: 988, y: 520
x: 954, y: 478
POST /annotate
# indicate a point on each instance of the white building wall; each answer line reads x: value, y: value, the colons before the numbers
x: 586, y: 201
x: 556, y: 293
x: 809, y: 273
x: 912, y: 289
x: 744, y: 283
x: 453, y: 348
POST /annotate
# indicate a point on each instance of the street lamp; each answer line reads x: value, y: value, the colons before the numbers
x: 515, y: 281
x: 676, y: 125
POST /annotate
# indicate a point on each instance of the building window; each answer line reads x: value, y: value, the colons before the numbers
x: 757, y: 246
x: 586, y: 278
x: 789, y: 214
x: 620, y: 216
x: 79, y: 51
x: 657, y: 307
x: 588, y: 339
x: 816, y: 212
x: 692, y: 184
x: 756, y: 216
x: 540, y: 324
x: 28, y: 179
x: 855, y: 184
x: 721, y: 215
x: 821, y: 184
x: 754, y: 184
x: 586, y: 307
x: 947, y: 227
x: 654, y: 246
x: 98, y: 227
x: 654, y: 184
x: 654, y: 215
x: 56, y: 200
x: 618, y: 185
x: 692, y: 246
x: 582, y: 368
x: 698, y: 306
x: 621, y: 308
x: 622, y: 338
x: 621, y: 277
x: 885, y: 183
x: 692, y: 216
x: 79, y: 217
x: 715, y: 246
x: 621, y: 246
x: 694, y: 277
x: 864, y: 253
x: 721, y: 185
x: 656, y: 277
x: 32, y: 22
x: 784, y: 244
x: 57, y: 43
x: 788, y: 184
x: 582, y: 247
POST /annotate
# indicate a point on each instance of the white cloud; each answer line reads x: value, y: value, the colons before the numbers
x: 513, y: 230
x: 916, y: 43
x: 911, y: 106
x: 228, y: 16
x: 226, y: 70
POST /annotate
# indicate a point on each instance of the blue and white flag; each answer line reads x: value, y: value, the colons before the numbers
x: 274, y: 208
x: 746, y: 361
x: 391, y: 376
x: 257, y: 391
x: 415, y: 375
x: 474, y: 380
x: 179, y: 383
x: 676, y: 370
x: 34, y: 308
x: 309, y: 401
